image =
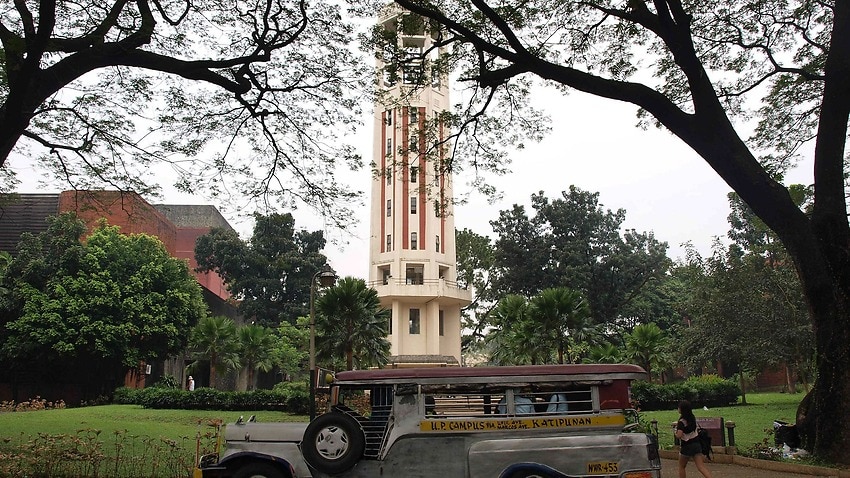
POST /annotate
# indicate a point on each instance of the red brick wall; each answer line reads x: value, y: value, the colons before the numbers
x: 185, y: 249
x: 124, y: 209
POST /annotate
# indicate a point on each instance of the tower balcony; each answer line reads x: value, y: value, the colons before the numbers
x: 422, y: 290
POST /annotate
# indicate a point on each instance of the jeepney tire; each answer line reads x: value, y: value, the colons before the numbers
x: 528, y: 474
x: 258, y: 470
x: 333, y: 443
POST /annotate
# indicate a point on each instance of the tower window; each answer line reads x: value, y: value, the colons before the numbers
x: 389, y: 146
x: 413, y: 114
x: 389, y: 242
x: 437, y: 240
x: 414, y: 174
x: 413, y: 205
x: 414, y: 321
x: 389, y: 207
x: 414, y: 274
x: 413, y: 242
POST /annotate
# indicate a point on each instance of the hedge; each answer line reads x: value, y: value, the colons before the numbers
x: 703, y: 390
x: 290, y: 398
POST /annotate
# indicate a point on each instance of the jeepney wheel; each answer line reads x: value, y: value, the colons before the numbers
x: 258, y: 470
x: 333, y: 443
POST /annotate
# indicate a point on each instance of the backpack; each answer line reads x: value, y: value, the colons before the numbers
x: 705, y: 442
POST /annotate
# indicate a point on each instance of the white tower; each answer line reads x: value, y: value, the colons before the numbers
x: 413, y: 264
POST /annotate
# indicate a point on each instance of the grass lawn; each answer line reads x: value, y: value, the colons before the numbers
x: 752, y: 421
x: 111, y: 440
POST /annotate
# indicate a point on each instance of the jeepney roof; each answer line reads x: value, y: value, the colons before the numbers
x: 527, y: 373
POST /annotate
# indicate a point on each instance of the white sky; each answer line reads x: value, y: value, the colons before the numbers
x: 594, y: 144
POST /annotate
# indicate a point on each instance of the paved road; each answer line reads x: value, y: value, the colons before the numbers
x: 669, y: 469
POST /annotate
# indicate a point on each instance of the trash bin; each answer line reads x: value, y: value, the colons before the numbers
x: 785, y: 434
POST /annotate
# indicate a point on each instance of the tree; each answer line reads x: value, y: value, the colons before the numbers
x: 475, y: 262
x: 271, y: 273
x: 99, y: 92
x: 573, y: 242
x: 352, y: 326
x: 256, y: 349
x: 707, y: 64
x: 215, y: 339
x: 509, y: 341
x: 89, y: 311
x: 559, y: 314
x: 647, y: 346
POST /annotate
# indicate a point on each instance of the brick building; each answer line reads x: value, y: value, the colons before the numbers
x: 177, y: 226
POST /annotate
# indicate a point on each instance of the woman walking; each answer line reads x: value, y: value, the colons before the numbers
x: 686, y: 432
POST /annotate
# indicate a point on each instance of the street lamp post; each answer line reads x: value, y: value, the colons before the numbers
x: 327, y: 277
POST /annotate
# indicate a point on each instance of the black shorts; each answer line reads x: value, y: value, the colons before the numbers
x: 691, y: 448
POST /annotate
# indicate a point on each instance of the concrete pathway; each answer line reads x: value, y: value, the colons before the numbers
x: 669, y: 469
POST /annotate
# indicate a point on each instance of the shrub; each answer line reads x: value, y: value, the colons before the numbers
x: 291, y: 400
x: 703, y: 390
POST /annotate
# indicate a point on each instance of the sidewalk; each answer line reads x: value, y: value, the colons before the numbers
x: 728, y: 466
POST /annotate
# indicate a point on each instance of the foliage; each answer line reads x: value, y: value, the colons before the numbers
x: 351, y: 326
x: 93, y: 310
x: 570, y: 242
x: 215, y: 339
x: 271, y: 273
x: 33, y: 404
x: 286, y: 396
x: 648, y: 346
x: 291, y: 347
x: 230, y: 100
x: 710, y: 391
x: 256, y: 344
x: 694, y: 68
x: 745, y: 309
x: 545, y: 329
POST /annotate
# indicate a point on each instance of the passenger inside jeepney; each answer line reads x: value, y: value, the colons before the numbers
x: 522, y: 405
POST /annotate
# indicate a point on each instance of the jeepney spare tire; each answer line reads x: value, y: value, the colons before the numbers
x: 333, y: 442
x: 258, y: 470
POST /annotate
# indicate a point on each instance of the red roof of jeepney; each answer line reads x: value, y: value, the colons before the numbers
x: 601, y: 371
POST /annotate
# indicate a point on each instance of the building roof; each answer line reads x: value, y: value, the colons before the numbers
x: 21, y: 213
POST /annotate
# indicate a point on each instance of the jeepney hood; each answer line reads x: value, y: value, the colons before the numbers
x: 264, y: 432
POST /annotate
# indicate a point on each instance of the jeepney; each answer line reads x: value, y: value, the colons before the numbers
x: 547, y: 421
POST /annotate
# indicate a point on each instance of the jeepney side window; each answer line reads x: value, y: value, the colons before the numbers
x: 555, y: 399
x: 446, y: 404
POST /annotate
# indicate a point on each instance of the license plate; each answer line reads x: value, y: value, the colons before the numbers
x: 602, y: 467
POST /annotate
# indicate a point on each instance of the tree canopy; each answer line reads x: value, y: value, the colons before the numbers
x: 90, y: 311
x: 236, y: 99
x: 270, y: 273
x: 694, y: 68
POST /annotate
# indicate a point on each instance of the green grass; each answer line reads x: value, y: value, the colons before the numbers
x: 111, y: 440
x: 752, y: 421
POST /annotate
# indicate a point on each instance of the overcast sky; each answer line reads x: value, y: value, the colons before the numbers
x: 594, y: 144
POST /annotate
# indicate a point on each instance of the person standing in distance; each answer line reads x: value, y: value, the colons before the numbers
x: 686, y: 432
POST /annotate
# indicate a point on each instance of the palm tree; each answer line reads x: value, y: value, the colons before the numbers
x: 351, y: 325
x: 257, y: 349
x: 214, y: 339
x: 561, y: 315
x: 646, y: 346
x: 508, y: 341
x: 605, y: 353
